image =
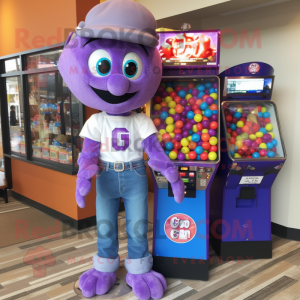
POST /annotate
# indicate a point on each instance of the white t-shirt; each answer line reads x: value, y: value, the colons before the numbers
x: 120, y: 136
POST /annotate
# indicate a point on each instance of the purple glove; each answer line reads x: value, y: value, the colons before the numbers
x: 159, y: 161
x: 147, y: 285
x: 94, y: 282
x: 88, y: 168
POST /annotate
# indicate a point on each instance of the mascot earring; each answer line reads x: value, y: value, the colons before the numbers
x: 118, y: 70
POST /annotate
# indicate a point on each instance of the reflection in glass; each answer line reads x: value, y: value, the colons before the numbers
x: 12, y: 65
x: 15, y: 113
x: 50, y: 116
x: 42, y: 61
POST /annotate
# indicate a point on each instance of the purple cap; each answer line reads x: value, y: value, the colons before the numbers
x: 123, y: 20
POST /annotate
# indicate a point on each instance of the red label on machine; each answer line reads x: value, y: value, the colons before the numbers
x: 180, y: 228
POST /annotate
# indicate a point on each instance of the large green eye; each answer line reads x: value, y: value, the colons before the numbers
x: 100, y: 63
x: 132, y: 66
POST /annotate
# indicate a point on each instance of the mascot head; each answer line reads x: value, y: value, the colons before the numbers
x: 111, y: 62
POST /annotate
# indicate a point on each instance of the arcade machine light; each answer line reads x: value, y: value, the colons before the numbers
x: 185, y: 110
x: 240, y: 213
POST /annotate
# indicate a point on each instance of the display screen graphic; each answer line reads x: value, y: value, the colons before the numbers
x: 189, y: 48
x: 249, y: 85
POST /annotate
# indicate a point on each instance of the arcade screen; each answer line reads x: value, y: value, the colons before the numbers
x: 252, y: 130
x: 248, y: 86
x: 185, y: 113
x: 198, y: 48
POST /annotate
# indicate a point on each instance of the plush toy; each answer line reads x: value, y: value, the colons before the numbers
x: 111, y: 64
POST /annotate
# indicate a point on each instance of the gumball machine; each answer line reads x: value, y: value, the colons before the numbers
x: 185, y: 111
x: 252, y: 155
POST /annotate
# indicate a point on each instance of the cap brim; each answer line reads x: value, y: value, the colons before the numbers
x: 131, y: 35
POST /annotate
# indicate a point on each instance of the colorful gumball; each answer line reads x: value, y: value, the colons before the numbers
x: 192, y: 155
x: 156, y: 122
x: 204, y: 156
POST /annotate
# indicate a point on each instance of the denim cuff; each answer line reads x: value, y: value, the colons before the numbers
x: 106, y: 265
x: 139, y: 265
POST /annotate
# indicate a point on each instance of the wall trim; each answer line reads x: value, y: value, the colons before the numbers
x: 75, y: 224
x: 286, y: 232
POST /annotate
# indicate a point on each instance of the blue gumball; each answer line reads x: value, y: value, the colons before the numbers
x: 274, y: 142
x: 199, y: 150
x: 215, y: 112
x: 271, y: 154
x: 232, y: 127
x: 190, y: 115
x: 196, y: 138
x: 181, y: 93
x: 191, y: 132
x: 208, y: 113
x: 200, y: 95
x: 164, y: 115
x: 211, y: 90
x: 255, y: 155
x: 263, y: 130
x: 237, y: 115
x: 198, y: 157
x: 169, y: 146
x: 190, y: 91
x: 203, y: 106
x: 208, y: 85
x: 167, y: 152
x: 236, y: 148
x: 231, y: 152
x: 266, y: 114
x: 216, y: 90
x: 201, y: 88
x: 270, y: 146
x: 260, y: 114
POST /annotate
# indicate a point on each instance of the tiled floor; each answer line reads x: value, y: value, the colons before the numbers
x: 276, y: 278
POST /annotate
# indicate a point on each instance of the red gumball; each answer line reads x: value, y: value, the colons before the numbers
x: 213, y: 149
x: 178, y: 88
x: 177, y: 130
x: 232, y: 140
x: 249, y: 156
x: 267, y: 120
x: 255, y: 127
x: 244, y: 148
x: 249, y: 124
x: 192, y: 101
x: 204, y: 97
x: 243, y: 119
x: 213, y: 125
x: 177, y: 99
x: 234, y: 120
x: 240, y: 152
x: 157, y: 99
x: 199, y: 126
x: 229, y: 118
x: 247, y: 153
x: 205, y: 137
x: 251, y: 151
x: 229, y: 130
x: 173, y: 141
x: 195, y: 107
x: 258, y: 141
x: 258, y: 108
x: 227, y: 113
x: 192, y: 155
x: 198, y: 112
x: 203, y: 156
x: 173, y: 94
x: 166, y: 137
x: 190, y: 86
x: 179, y: 108
x: 206, y: 145
x: 192, y: 145
x: 234, y: 134
x: 245, y: 128
x: 263, y: 153
x: 179, y: 124
x: 177, y: 145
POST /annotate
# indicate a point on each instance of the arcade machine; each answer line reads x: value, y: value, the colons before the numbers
x: 185, y: 110
x: 252, y: 155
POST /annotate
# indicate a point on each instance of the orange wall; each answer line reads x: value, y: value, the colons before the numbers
x: 40, y: 20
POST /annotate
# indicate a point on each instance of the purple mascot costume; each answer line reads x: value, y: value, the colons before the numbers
x: 117, y: 70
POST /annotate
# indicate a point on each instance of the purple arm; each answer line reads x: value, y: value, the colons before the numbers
x: 88, y: 168
x: 159, y: 161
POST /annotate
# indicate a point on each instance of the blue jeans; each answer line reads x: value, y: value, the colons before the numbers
x: 131, y: 185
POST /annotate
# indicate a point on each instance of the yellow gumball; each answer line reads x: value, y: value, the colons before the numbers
x: 239, y: 144
x: 269, y: 127
x: 187, y: 157
x: 204, y: 131
x: 173, y: 155
x: 214, y: 96
x: 252, y: 137
x: 259, y: 134
x: 169, y: 120
x: 198, y: 118
x: 172, y: 111
x: 212, y: 156
x: 159, y: 138
x: 185, y: 150
x: 263, y: 146
x: 170, y: 128
x: 188, y: 96
x: 240, y: 110
x: 184, y: 142
x: 172, y: 135
x: 195, y: 128
x: 189, y: 138
x: 168, y: 99
x: 263, y: 109
x: 213, y: 141
x: 162, y: 131
x: 157, y: 107
x: 272, y: 135
x: 236, y: 155
x: 169, y: 89
x: 172, y: 104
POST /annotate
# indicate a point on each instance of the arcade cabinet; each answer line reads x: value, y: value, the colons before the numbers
x: 252, y: 155
x: 185, y: 110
